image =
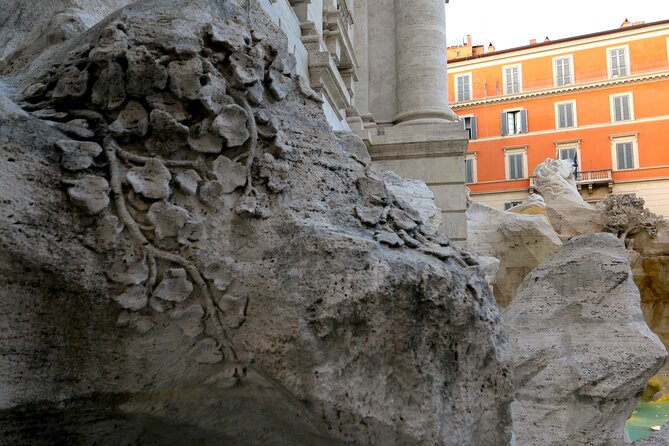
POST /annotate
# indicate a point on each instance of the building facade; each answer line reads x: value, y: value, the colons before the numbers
x: 379, y: 66
x: 600, y: 99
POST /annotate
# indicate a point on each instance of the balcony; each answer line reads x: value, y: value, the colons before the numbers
x: 587, y: 178
x: 485, y: 90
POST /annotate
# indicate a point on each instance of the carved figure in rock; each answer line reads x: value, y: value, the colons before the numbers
x: 555, y: 179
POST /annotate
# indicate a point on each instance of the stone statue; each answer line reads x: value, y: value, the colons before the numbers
x: 555, y: 178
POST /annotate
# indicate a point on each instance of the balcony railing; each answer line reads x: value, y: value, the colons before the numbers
x: 494, y: 88
x: 586, y: 178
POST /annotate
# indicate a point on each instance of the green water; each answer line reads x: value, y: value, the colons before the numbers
x: 647, y: 414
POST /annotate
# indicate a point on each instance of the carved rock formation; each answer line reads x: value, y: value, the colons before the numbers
x: 519, y: 242
x: 225, y: 269
x: 568, y: 213
x: 581, y: 349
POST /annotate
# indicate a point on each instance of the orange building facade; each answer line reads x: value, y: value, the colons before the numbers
x: 600, y: 99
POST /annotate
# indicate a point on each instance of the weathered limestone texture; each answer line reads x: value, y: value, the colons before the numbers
x: 519, y: 242
x: 581, y: 349
x: 568, y: 213
x: 191, y: 256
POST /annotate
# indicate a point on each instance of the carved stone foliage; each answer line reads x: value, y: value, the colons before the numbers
x: 164, y: 132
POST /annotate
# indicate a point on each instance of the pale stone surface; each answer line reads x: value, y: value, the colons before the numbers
x: 519, y: 242
x: 568, y: 213
x: 416, y: 193
x: 322, y: 335
x: 581, y: 349
x: 660, y: 438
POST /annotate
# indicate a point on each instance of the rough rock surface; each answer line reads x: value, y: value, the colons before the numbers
x: 417, y: 193
x: 519, y: 242
x: 581, y: 349
x: 176, y: 301
x: 567, y: 212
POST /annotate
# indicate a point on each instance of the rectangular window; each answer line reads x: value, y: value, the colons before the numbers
x: 625, y: 155
x: 514, y: 122
x: 618, y: 63
x: 516, y: 163
x: 567, y: 153
x: 470, y: 170
x: 512, y: 79
x: 470, y: 125
x: 625, y: 152
x: 621, y: 107
x: 563, y: 72
x: 463, y: 84
x: 565, y: 115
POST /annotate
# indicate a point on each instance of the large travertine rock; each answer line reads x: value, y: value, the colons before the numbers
x: 581, y: 349
x: 567, y: 212
x: 156, y: 293
x: 519, y: 242
x: 417, y: 193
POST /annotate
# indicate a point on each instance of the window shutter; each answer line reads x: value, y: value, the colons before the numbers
x: 523, y: 122
x: 474, y: 127
x: 620, y: 148
x: 469, y: 171
x: 625, y: 107
x: 505, y: 125
x: 519, y: 167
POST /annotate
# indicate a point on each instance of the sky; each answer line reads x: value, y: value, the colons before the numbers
x: 512, y: 23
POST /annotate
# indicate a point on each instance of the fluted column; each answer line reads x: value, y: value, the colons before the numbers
x: 422, y: 94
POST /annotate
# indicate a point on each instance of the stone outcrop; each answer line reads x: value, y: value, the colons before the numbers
x: 519, y: 242
x: 568, y: 213
x: 660, y: 438
x: 582, y: 352
x: 225, y: 269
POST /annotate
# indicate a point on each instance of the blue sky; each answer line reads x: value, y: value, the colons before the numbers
x: 512, y: 23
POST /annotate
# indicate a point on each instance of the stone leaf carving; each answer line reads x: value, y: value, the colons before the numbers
x: 133, y: 298
x: 213, y: 95
x: 233, y: 308
x: 231, y: 125
x: 112, y: 44
x: 133, y: 120
x: 107, y: 231
x: 206, y: 351
x: 167, y: 135
x: 129, y: 270
x: 78, y: 155
x: 229, y: 174
x: 169, y: 104
x: 175, y: 286
x: 109, y: 90
x: 167, y: 218
x: 203, y: 138
x: 193, y: 234
x: 221, y: 274
x: 190, y: 320
x: 90, y: 192
x: 188, y: 181
x: 185, y: 78
x: 151, y: 180
x: 72, y: 84
x: 144, y: 72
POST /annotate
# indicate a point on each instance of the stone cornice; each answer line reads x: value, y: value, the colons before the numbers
x: 562, y: 90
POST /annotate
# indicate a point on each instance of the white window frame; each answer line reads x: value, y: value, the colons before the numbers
x: 457, y: 90
x: 515, y: 151
x: 616, y: 139
x: 472, y: 157
x: 511, y: 110
x: 469, y: 116
x: 557, y: 114
x: 571, y: 70
x: 576, y: 143
x: 627, y: 59
x: 612, y: 105
x: 520, y: 78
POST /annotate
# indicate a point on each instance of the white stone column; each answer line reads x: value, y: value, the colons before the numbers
x: 422, y: 95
